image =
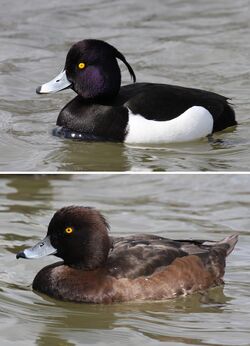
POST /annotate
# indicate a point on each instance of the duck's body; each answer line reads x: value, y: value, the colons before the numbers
x: 135, y: 113
x: 146, y: 112
x: 101, y: 269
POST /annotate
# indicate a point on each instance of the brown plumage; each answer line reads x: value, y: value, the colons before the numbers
x: 140, y: 267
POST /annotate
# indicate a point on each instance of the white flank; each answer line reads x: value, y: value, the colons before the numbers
x: 196, y: 122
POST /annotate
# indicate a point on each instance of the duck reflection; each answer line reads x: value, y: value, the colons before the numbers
x: 91, y: 156
x: 73, y: 322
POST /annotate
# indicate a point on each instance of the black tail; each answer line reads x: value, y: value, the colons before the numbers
x: 225, y: 119
x: 230, y: 241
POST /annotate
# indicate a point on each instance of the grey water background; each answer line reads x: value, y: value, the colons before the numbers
x: 175, y: 206
x: 203, y: 44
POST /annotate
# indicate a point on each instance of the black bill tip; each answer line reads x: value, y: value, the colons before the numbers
x: 38, y: 90
x: 20, y: 254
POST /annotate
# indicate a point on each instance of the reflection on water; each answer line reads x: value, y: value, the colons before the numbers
x: 52, y: 320
x: 79, y: 156
x: 144, y: 318
x: 195, y: 44
x: 177, y: 206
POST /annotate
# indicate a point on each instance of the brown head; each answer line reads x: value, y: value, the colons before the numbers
x: 78, y: 235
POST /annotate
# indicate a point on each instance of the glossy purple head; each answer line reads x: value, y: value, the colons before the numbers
x: 91, y: 70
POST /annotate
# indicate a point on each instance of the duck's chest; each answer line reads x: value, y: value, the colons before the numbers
x: 94, y: 121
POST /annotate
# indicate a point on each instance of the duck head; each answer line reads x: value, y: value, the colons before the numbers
x: 78, y: 235
x: 91, y: 70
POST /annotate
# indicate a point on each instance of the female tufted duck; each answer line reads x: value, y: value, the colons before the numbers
x: 97, y: 268
x: 134, y: 113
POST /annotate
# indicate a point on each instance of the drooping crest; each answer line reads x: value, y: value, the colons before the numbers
x: 120, y: 56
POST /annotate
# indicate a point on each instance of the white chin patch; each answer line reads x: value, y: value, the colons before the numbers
x: 195, y: 123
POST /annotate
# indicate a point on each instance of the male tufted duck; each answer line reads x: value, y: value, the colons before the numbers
x: 134, y: 113
x: 97, y: 268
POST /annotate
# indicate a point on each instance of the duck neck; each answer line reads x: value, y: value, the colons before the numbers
x: 82, y: 265
x: 100, y: 99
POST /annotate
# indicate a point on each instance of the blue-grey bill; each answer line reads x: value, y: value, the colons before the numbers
x: 60, y: 82
x: 41, y: 249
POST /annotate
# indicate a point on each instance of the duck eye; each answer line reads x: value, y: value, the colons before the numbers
x: 69, y: 230
x: 81, y: 65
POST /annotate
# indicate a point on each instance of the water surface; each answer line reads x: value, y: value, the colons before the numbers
x: 191, y: 43
x: 176, y: 206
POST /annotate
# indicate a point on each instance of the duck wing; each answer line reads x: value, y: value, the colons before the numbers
x: 162, y: 102
x: 144, y: 254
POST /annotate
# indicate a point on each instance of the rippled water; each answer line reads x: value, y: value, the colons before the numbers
x: 177, y: 206
x: 192, y: 43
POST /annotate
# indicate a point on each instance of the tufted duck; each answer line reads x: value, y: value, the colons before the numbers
x: 134, y: 113
x: 97, y: 268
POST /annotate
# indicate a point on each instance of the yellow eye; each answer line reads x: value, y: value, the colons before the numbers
x: 68, y: 230
x: 81, y: 65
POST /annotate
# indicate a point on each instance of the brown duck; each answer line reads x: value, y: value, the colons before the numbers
x: 97, y: 268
